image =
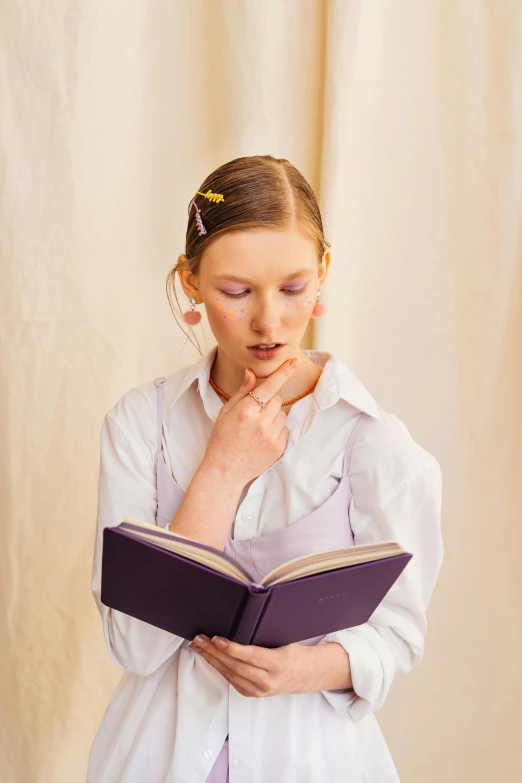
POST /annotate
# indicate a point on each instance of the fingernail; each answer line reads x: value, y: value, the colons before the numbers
x: 246, y: 376
x: 219, y: 641
x: 194, y: 647
x: 201, y: 641
x: 295, y: 361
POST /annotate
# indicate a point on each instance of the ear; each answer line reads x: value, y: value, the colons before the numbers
x: 323, y: 269
x: 189, y: 283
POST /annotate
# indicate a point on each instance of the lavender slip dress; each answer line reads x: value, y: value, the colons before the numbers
x: 328, y: 527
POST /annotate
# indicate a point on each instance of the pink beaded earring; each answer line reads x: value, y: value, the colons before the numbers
x: 319, y: 307
x: 191, y: 317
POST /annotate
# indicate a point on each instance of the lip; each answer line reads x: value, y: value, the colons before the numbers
x: 267, y: 354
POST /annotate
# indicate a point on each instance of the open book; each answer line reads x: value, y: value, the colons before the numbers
x: 186, y: 587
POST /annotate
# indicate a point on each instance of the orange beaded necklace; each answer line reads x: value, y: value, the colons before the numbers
x: 289, y: 402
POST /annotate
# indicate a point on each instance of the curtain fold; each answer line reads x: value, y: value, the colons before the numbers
x: 406, y: 119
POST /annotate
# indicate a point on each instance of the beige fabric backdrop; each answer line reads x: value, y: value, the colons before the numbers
x: 406, y: 118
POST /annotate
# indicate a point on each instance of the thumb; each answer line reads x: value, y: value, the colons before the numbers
x: 247, y: 384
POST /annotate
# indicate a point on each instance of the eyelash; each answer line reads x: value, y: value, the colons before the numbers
x: 240, y: 296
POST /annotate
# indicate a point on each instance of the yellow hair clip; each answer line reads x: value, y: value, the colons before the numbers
x: 211, y: 196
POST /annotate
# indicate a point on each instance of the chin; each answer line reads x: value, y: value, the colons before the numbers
x: 263, y: 368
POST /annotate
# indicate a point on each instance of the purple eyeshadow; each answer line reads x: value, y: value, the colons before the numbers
x: 291, y: 287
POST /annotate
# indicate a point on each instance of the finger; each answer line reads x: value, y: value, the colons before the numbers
x: 247, y: 662
x: 251, y: 686
x: 267, y: 388
x: 271, y: 408
x: 243, y: 390
x: 273, y: 383
x: 259, y: 657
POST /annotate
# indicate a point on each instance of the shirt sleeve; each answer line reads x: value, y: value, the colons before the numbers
x: 127, y: 486
x: 397, y: 489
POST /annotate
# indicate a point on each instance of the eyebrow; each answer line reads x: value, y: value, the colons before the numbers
x: 236, y: 279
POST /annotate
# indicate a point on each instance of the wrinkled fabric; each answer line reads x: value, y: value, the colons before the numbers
x: 171, y: 711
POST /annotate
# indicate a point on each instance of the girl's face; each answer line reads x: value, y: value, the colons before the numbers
x: 260, y: 287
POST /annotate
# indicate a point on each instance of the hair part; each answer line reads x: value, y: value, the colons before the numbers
x: 260, y: 192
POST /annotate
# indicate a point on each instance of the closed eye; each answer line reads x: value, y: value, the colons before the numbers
x: 289, y: 291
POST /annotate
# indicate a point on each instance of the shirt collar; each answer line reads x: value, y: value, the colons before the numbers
x: 336, y: 382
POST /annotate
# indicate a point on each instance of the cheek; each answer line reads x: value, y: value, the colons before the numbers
x: 300, y: 308
x: 227, y: 312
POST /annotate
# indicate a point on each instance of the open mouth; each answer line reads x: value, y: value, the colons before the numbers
x: 262, y: 352
x: 258, y: 352
x: 265, y: 346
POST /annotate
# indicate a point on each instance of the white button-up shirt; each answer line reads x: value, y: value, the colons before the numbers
x: 171, y: 711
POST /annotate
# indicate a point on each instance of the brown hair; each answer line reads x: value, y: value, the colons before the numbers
x: 259, y: 191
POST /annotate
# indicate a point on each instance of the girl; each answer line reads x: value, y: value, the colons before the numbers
x: 267, y: 465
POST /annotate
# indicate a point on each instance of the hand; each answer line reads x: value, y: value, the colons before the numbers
x: 258, y: 671
x: 247, y: 438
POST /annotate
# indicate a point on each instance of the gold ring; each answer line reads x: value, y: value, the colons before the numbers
x: 257, y: 398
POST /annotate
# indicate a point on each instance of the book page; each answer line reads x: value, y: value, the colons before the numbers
x: 305, y: 565
x: 317, y: 563
x: 187, y: 547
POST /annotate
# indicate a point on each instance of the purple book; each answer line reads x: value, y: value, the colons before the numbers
x: 175, y: 592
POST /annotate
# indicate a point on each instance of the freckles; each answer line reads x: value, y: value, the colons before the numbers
x: 229, y: 311
x: 301, y: 308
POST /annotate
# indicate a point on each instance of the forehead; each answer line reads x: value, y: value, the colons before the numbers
x: 247, y: 256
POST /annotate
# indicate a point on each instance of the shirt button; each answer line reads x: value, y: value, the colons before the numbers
x: 208, y: 753
x: 246, y: 517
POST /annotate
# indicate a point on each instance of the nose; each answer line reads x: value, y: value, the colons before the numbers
x: 266, y: 315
